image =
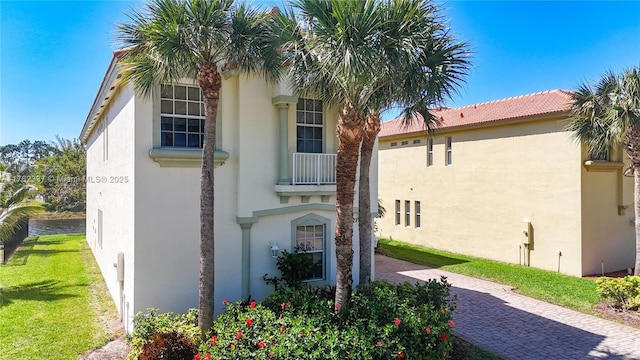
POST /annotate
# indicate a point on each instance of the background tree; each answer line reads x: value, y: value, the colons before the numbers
x: 606, y: 115
x: 62, y: 176
x: 197, y: 39
x: 20, y: 158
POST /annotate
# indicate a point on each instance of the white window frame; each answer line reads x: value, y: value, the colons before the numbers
x: 315, y: 221
x: 430, y: 152
x: 314, y: 112
x: 398, y: 213
x: 194, y: 110
x: 418, y: 219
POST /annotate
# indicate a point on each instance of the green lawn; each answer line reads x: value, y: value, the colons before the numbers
x: 52, y: 299
x: 569, y: 291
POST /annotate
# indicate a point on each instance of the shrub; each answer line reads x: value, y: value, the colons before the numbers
x: 294, y: 268
x: 388, y: 321
x: 168, y: 346
x: 624, y: 292
x: 146, y: 325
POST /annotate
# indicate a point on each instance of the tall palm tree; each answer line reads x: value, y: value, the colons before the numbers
x: 423, y: 65
x: 607, y: 115
x: 14, y: 208
x: 197, y: 39
x: 339, y: 51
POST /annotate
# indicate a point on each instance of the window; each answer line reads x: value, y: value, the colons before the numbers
x: 416, y: 141
x: 407, y: 213
x: 405, y: 143
x: 449, y: 158
x: 309, y: 236
x: 394, y: 144
x: 417, y: 206
x: 181, y: 116
x: 309, y: 120
x: 430, y: 152
x: 397, y: 212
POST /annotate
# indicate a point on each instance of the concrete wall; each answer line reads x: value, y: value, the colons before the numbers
x: 500, y: 177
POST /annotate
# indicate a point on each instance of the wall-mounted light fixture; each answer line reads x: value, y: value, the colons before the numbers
x: 275, y: 250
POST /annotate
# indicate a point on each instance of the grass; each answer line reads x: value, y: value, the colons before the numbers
x: 568, y: 291
x: 52, y: 300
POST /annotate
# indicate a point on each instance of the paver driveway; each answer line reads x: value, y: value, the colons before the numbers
x: 517, y: 327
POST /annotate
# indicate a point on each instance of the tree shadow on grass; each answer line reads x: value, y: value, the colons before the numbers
x: 46, y: 290
x: 22, y: 254
x: 430, y: 260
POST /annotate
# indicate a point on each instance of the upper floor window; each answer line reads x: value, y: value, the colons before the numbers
x: 407, y: 213
x: 394, y: 144
x: 405, y: 143
x: 181, y: 116
x: 416, y: 141
x: 429, y: 152
x: 449, y: 159
x: 309, y: 126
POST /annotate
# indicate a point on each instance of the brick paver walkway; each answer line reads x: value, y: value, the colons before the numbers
x: 517, y: 327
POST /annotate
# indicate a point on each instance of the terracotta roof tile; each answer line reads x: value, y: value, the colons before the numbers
x: 547, y: 102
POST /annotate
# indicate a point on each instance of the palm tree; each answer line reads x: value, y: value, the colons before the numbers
x: 607, y: 115
x: 423, y: 66
x: 340, y: 51
x: 197, y: 39
x: 14, y: 209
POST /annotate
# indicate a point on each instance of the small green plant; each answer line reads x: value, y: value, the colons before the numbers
x: 623, y: 292
x: 294, y: 268
x: 147, y: 325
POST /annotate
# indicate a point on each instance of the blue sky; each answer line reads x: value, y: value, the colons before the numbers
x: 53, y: 54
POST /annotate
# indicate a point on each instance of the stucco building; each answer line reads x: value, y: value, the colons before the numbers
x: 503, y: 180
x: 274, y: 185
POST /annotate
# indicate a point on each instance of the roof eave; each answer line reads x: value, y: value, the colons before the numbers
x: 486, y: 124
x: 109, y: 85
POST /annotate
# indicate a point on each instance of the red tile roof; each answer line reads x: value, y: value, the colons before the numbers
x: 542, y: 103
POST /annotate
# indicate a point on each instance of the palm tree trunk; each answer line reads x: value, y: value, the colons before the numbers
x: 364, y: 197
x: 636, y: 196
x: 210, y: 81
x: 350, y: 132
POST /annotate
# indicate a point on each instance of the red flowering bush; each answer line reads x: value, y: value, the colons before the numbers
x: 386, y: 322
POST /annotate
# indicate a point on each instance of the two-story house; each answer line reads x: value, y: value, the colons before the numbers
x: 504, y: 180
x: 274, y: 189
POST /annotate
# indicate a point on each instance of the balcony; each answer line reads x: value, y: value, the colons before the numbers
x: 311, y: 175
x: 314, y: 169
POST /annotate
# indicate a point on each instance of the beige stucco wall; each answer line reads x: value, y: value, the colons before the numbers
x: 608, y: 235
x: 501, y: 176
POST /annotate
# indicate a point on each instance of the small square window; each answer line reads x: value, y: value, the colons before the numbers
x: 416, y: 141
x: 405, y: 143
x: 393, y: 144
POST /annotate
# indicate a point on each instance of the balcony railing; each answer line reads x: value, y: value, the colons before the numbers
x: 314, y: 169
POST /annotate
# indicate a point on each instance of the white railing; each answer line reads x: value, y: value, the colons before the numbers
x: 314, y: 169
